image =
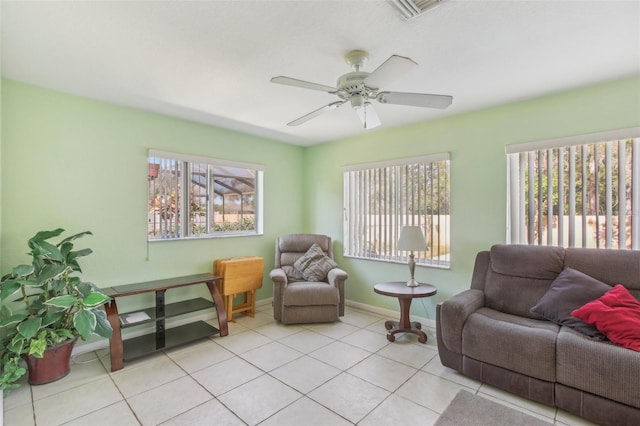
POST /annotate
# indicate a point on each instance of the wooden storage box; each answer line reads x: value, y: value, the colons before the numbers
x: 239, y: 275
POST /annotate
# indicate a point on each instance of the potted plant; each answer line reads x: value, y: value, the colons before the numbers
x: 45, y: 308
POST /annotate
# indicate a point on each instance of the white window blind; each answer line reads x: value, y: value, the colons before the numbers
x: 582, y: 191
x: 381, y: 198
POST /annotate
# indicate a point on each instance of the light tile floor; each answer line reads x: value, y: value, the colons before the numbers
x: 269, y: 374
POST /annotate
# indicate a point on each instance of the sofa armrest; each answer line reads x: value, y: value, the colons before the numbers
x: 337, y: 277
x: 454, y: 312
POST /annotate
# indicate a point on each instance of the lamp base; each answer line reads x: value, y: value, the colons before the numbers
x: 412, y: 267
x: 412, y: 283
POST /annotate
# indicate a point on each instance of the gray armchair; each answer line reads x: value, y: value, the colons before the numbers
x: 296, y: 300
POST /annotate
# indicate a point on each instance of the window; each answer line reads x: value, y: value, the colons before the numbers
x: 581, y: 191
x: 379, y: 199
x: 193, y: 197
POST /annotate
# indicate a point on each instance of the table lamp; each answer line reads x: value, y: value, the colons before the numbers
x: 412, y: 239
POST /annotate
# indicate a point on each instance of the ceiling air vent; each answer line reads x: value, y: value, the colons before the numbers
x: 411, y: 8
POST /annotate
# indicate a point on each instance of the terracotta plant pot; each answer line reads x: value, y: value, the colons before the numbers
x: 54, y: 365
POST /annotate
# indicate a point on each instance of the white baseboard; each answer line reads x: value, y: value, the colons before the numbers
x: 263, y: 302
x: 104, y: 343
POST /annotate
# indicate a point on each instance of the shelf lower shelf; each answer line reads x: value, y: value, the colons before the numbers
x: 176, y: 336
x: 171, y: 310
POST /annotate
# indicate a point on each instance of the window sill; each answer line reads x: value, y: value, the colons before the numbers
x: 403, y: 262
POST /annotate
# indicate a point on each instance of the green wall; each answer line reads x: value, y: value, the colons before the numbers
x: 476, y: 141
x: 1, y: 186
x: 80, y: 164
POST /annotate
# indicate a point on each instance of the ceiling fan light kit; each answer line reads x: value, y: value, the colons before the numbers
x: 359, y: 88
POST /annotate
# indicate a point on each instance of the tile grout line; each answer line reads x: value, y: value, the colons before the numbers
x: 359, y: 323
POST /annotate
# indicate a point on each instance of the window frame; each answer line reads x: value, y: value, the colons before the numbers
x: 392, y: 217
x: 188, y: 162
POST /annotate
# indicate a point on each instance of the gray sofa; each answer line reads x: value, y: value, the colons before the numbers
x: 489, y: 333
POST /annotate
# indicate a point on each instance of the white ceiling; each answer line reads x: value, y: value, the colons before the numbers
x: 211, y: 61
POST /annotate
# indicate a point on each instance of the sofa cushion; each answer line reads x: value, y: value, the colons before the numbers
x: 527, y: 261
x: 314, y: 265
x: 600, y: 368
x: 523, y: 345
x: 514, y: 295
x: 571, y: 290
x: 519, y: 276
x: 304, y: 293
x: 617, y: 315
x: 611, y: 266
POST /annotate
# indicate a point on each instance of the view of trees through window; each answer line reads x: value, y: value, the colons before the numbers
x: 379, y: 201
x: 578, y: 196
x: 218, y: 200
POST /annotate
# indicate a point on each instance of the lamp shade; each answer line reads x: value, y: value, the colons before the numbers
x: 412, y: 239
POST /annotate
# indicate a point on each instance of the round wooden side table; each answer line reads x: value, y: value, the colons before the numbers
x: 405, y: 295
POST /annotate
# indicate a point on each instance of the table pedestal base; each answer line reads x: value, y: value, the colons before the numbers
x: 414, y: 327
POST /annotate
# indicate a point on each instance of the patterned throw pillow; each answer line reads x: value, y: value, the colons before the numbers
x: 314, y: 265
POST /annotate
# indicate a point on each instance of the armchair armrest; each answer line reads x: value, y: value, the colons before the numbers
x: 337, y: 277
x: 279, y: 279
x: 454, y: 312
x: 278, y: 276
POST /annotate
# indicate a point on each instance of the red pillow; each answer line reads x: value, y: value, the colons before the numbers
x: 616, y: 314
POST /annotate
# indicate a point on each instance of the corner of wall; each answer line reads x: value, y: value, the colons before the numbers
x: 1, y: 399
x: 1, y: 163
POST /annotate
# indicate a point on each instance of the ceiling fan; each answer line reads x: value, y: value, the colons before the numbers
x: 361, y: 88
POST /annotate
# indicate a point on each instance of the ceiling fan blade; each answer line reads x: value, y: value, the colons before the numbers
x: 391, y: 69
x: 368, y: 116
x: 303, y: 84
x: 415, y: 99
x: 315, y: 113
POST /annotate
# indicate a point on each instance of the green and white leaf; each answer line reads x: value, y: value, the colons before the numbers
x: 9, y: 287
x: 38, y: 346
x: 45, y: 235
x: 23, y: 270
x: 51, y: 271
x: 103, y: 327
x: 95, y: 299
x: 52, y: 316
x: 29, y: 327
x: 85, y: 322
x: 65, y: 301
x: 76, y: 236
x: 12, y: 320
